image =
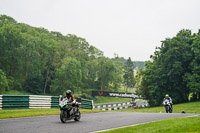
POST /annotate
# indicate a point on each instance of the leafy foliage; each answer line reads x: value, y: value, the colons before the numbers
x: 42, y: 61
x: 109, y: 75
x: 68, y: 76
x: 34, y: 83
x: 128, y: 74
x: 173, y: 70
x: 3, y: 81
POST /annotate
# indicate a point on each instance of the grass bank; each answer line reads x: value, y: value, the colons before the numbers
x: 110, y: 99
x: 190, y: 107
x: 175, y: 125
x: 189, y: 124
x: 15, y: 113
x: 15, y: 92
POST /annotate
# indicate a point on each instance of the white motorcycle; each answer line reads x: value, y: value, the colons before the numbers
x: 167, y: 105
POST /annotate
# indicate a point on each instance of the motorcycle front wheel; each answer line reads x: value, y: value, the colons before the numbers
x: 167, y: 109
x: 77, y: 116
x: 63, y: 116
x: 170, y: 110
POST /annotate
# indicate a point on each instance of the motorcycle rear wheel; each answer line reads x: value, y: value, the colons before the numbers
x: 63, y: 116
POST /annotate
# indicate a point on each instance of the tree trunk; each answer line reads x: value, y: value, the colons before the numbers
x: 45, y: 85
x: 102, y: 85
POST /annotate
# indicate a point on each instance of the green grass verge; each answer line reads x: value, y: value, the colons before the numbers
x: 190, y: 107
x: 15, y: 113
x: 175, y: 125
x: 15, y: 92
x: 110, y: 99
x: 129, y: 90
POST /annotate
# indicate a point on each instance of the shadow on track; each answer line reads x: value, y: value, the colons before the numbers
x: 68, y: 122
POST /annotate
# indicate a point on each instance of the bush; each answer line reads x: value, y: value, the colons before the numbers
x: 3, y: 81
x: 86, y: 96
x: 17, y: 86
x: 14, y: 84
x: 34, y: 84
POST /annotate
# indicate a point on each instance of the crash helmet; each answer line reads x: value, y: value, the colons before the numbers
x: 68, y: 92
x: 166, y: 96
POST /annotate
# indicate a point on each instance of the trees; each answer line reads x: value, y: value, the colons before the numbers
x: 34, y: 83
x: 139, y: 64
x: 43, y: 62
x: 9, y: 45
x: 108, y: 74
x: 128, y: 74
x: 170, y: 70
x: 90, y: 74
x: 68, y: 76
x: 6, y: 20
x: 192, y: 78
x: 3, y: 81
x: 174, y: 60
x: 49, y: 62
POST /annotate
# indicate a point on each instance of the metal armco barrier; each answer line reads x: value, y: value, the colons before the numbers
x: 35, y: 101
x: 117, y: 108
x: 28, y: 101
x: 0, y: 101
x: 113, y: 106
x: 86, y: 104
x: 54, y: 101
x: 39, y: 101
x: 142, y: 104
x: 15, y: 101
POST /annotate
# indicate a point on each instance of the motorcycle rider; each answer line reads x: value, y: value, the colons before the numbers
x: 170, y: 100
x: 69, y: 96
x: 71, y: 99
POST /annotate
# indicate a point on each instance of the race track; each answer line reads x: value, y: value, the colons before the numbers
x: 90, y: 122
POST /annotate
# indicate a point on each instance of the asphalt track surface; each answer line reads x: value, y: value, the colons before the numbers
x: 90, y: 122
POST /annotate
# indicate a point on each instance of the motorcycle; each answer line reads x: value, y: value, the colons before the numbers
x: 69, y: 110
x: 167, y: 105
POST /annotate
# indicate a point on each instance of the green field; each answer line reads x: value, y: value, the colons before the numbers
x: 15, y: 92
x: 15, y: 113
x: 110, y: 99
x: 191, y: 107
x: 129, y: 90
x: 175, y: 125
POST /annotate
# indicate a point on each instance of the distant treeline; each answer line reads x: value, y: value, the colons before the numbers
x: 136, y: 64
x: 40, y: 61
x: 139, y: 64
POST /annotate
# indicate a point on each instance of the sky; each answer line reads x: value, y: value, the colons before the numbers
x: 128, y: 28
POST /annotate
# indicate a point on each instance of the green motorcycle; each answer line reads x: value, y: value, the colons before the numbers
x: 69, y: 111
